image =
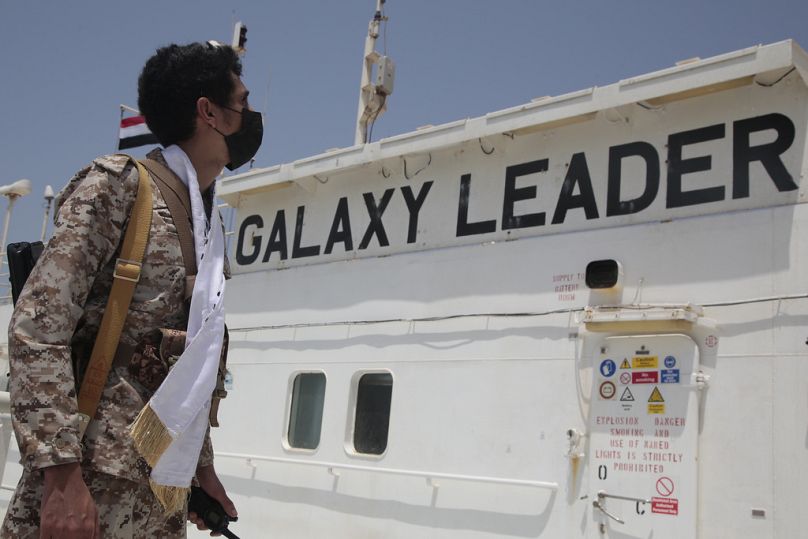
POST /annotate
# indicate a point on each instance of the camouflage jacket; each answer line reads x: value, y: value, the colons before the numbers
x: 58, y: 313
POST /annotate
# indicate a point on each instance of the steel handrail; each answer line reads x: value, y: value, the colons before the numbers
x: 430, y: 476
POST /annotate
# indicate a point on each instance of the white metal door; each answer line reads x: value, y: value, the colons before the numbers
x: 643, y: 427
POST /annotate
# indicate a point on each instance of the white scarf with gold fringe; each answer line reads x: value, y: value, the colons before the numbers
x: 170, y: 430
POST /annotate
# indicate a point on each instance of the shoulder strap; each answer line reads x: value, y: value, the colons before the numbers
x: 178, y: 201
x: 126, y: 276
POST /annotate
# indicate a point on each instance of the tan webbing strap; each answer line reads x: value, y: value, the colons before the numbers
x: 175, y: 193
x: 126, y: 276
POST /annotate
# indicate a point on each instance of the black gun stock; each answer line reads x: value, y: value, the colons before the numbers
x: 21, y: 258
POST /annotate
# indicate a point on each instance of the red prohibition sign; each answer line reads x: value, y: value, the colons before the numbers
x: 664, y: 486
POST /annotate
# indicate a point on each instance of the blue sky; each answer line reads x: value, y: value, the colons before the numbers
x: 65, y: 66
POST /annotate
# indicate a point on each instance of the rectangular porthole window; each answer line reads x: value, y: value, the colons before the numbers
x: 306, y: 414
x: 372, y: 420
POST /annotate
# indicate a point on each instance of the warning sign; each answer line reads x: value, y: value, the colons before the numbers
x: 643, y: 428
x: 665, y: 506
x: 656, y: 402
x: 665, y: 486
x: 645, y: 377
x: 656, y: 396
x: 607, y: 390
x: 645, y: 362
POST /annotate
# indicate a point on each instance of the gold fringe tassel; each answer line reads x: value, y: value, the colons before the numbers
x: 172, y: 498
x: 151, y: 437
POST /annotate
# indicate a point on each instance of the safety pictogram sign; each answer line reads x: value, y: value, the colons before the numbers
x: 625, y: 378
x: 627, y: 395
x: 656, y: 396
x: 607, y: 390
x: 625, y: 364
x: 607, y: 368
x: 665, y: 486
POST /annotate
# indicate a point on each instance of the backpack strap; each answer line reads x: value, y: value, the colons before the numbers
x: 125, y: 278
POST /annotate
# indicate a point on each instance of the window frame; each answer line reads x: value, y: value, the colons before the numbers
x: 350, y: 430
x: 285, y: 442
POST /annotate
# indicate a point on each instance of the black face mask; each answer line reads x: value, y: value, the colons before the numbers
x: 244, y: 143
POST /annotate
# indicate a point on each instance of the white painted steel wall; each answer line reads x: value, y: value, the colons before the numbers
x: 482, y: 343
x: 494, y: 396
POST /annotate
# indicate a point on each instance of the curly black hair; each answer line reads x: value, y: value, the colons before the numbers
x: 175, y: 78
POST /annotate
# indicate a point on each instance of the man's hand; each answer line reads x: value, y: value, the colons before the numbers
x: 209, y: 481
x: 68, y: 510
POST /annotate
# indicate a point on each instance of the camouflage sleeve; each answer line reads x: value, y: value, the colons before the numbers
x: 88, y: 230
x: 206, y: 455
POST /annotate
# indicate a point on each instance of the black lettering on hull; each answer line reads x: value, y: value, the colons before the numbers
x: 514, y: 195
x: 614, y: 204
x: 340, y: 228
x: 577, y: 174
x: 743, y: 153
x: 242, y: 258
x: 464, y: 228
x: 706, y: 185
x: 297, y: 250
x: 677, y: 167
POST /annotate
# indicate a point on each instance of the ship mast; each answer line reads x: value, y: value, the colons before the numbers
x: 373, y: 97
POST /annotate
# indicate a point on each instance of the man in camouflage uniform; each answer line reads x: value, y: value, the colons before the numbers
x: 192, y: 97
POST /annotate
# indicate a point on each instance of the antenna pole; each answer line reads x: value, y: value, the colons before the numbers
x: 12, y: 198
x: 48, y: 196
x: 366, y: 90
